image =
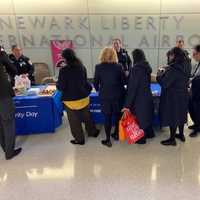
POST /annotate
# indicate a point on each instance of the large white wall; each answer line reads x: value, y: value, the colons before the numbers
x: 152, y: 25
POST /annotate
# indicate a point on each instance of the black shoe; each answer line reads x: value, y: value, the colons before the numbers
x: 15, y: 153
x: 106, y: 143
x: 194, y: 126
x: 75, y: 142
x: 141, y: 141
x: 115, y: 136
x: 95, y: 135
x: 181, y: 137
x: 169, y: 142
x: 194, y: 134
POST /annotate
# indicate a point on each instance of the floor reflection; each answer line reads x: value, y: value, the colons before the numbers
x: 51, y: 167
x: 154, y: 172
x: 3, y: 178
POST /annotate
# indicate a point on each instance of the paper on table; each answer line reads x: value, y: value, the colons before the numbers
x: 93, y: 90
x: 34, y: 90
x: 50, y: 87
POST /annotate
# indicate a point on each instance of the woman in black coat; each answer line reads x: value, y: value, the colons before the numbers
x: 139, y: 98
x: 174, y: 95
x: 109, y: 80
x: 73, y: 84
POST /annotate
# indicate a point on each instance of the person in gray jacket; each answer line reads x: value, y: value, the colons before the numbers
x: 7, y: 108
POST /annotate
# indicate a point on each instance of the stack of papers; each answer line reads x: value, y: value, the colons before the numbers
x: 33, y: 91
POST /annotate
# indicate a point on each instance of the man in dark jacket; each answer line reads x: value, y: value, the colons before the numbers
x: 123, y: 57
x: 22, y: 63
x: 7, y: 108
x: 194, y: 104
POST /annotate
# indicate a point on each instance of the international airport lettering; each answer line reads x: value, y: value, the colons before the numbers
x: 22, y: 115
x: 144, y: 31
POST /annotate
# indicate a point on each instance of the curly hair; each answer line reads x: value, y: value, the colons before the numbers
x: 108, y: 55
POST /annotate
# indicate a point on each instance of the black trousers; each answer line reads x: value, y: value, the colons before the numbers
x: 112, y: 110
x: 173, y: 131
x: 108, y: 124
x: 76, y: 117
x: 7, y: 126
x: 194, y: 108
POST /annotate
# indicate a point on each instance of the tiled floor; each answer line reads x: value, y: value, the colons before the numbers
x: 50, y: 168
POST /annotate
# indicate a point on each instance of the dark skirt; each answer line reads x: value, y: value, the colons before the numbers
x: 173, y: 109
x: 112, y: 106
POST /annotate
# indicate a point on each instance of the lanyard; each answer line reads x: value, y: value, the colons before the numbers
x: 196, y: 70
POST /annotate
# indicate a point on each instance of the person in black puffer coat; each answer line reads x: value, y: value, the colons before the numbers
x: 174, y: 95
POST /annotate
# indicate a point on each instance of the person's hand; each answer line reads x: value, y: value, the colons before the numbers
x: 189, y: 90
x: 125, y: 110
x: 29, y: 62
x: 161, y: 69
x: 24, y: 75
x: 126, y: 73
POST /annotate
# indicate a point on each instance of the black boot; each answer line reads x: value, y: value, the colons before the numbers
x: 142, y: 141
x: 106, y: 143
x: 194, y: 134
x: 169, y: 142
x: 75, y: 142
x: 193, y: 127
x: 115, y: 135
x: 181, y: 137
x: 108, y: 127
x: 15, y: 153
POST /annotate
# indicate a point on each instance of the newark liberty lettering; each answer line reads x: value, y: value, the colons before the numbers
x: 96, y: 31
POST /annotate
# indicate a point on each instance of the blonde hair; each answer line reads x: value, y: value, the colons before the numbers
x: 108, y: 55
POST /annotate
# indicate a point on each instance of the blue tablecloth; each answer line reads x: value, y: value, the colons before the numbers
x: 95, y: 106
x: 43, y: 114
x: 38, y: 114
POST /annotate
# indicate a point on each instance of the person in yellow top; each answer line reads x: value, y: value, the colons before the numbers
x: 75, y: 89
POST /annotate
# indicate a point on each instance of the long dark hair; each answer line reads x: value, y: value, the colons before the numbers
x: 179, y: 55
x: 138, y: 56
x: 70, y: 56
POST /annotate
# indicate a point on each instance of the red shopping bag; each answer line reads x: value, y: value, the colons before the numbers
x: 131, y: 128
